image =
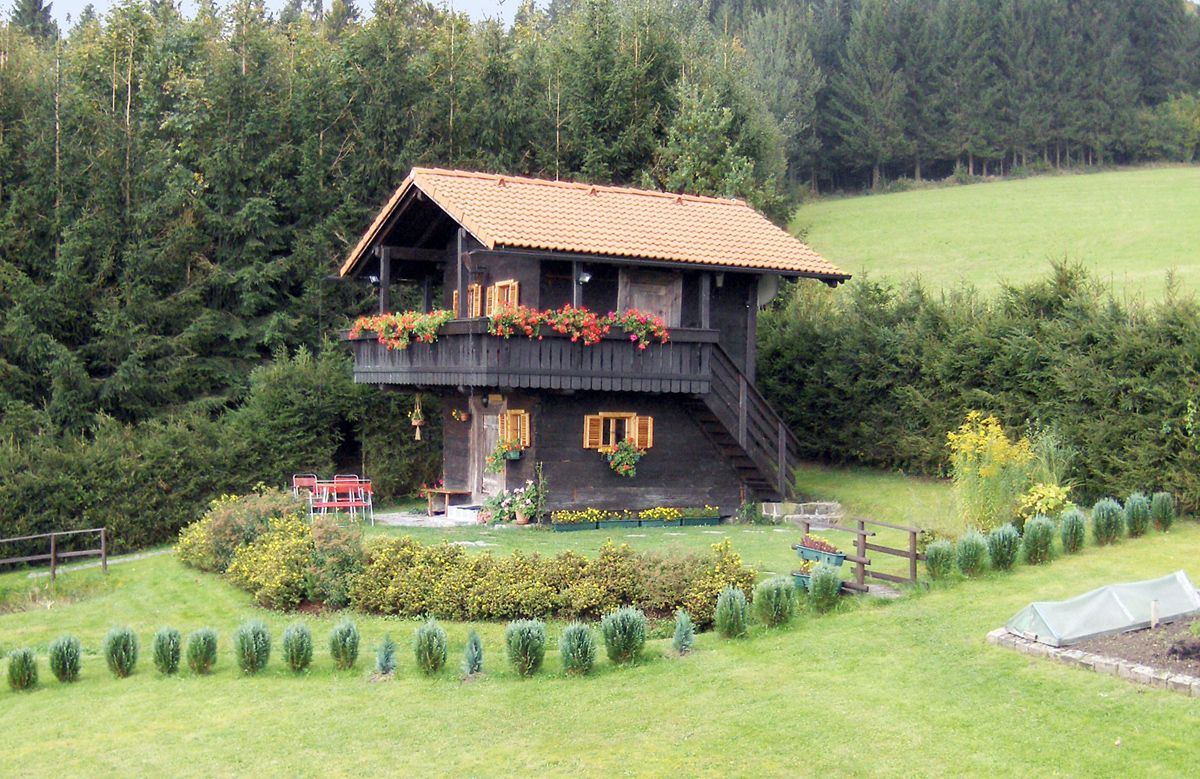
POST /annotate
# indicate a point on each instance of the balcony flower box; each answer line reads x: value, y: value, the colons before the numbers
x: 819, y: 550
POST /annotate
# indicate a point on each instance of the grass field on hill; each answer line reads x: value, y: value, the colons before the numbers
x: 906, y: 688
x: 1128, y: 227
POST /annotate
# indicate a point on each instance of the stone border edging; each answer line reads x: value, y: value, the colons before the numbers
x: 1115, y: 666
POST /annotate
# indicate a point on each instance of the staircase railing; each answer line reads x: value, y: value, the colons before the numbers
x: 759, y: 431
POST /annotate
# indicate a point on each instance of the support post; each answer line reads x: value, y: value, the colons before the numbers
x: 53, y: 556
x: 705, y: 300
x: 385, y: 279
x: 742, y: 409
x: 782, y: 461
x: 576, y: 285
x: 912, y: 556
x: 860, y: 545
x: 460, y: 282
x: 104, y: 549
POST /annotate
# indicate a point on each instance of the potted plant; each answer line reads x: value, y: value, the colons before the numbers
x: 459, y: 415
x: 565, y: 521
x: 700, y: 515
x: 819, y: 550
x: 623, y: 457
x: 510, y: 449
x: 660, y: 516
x: 417, y: 417
x: 614, y: 519
x: 803, y: 575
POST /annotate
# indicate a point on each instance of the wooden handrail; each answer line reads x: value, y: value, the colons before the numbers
x: 55, y: 555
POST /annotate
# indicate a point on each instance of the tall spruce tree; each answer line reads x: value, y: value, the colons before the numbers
x: 33, y: 16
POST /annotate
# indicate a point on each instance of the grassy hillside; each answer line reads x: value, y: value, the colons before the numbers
x: 1129, y: 227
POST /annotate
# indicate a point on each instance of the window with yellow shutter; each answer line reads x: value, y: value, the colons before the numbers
x: 608, y: 428
x: 502, y: 294
x: 514, y: 426
x: 454, y: 303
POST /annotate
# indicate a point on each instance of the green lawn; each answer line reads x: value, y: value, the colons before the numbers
x: 907, y: 688
x: 1129, y: 227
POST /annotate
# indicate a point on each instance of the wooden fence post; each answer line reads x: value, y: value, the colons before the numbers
x: 53, y: 556
x: 860, y: 570
x: 104, y: 549
x: 912, y: 556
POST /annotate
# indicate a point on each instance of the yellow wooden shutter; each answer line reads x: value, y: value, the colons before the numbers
x: 502, y: 430
x: 475, y: 300
x: 643, y: 432
x: 454, y: 303
x: 491, y: 305
x: 593, y: 431
x: 514, y: 293
x: 520, y: 427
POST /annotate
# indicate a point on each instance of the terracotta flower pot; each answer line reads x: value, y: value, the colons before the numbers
x: 522, y: 518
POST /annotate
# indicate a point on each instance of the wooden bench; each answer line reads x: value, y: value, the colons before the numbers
x: 446, y: 494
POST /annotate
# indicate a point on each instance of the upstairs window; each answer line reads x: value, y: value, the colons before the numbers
x: 514, y: 426
x: 611, y: 427
x: 502, y: 293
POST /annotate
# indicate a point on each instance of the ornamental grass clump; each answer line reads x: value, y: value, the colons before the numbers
x: 1003, y: 545
x: 685, y: 633
x: 297, y: 647
x: 577, y: 646
x: 121, y: 651
x: 252, y: 646
x: 202, y: 651
x: 824, y: 588
x: 1106, y: 521
x: 1039, y: 540
x: 624, y: 634
x: 165, y: 650
x: 473, y: 655
x: 22, y: 669
x: 1162, y: 510
x: 525, y: 640
x: 343, y: 645
x: 971, y: 553
x: 385, y: 656
x: 1073, y: 529
x: 939, y: 559
x: 429, y: 646
x: 991, y: 472
x: 1137, y: 514
x: 775, y: 601
x: 65, y: 656
x: 732, y: 614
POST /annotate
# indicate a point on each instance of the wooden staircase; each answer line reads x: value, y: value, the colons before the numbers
x: 746, y: 430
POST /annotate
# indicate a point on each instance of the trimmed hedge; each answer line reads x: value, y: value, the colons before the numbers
x: 65, y: 655
x: 939, y: 559
x: 22, y: 669
x: 121, y: 651
x: 410, y: 579
x: 297, y: 647
x: 1107, y: 518
x: 1039, y: 540
x: 525, y: 641
x: 1162, y: 510
x: 429, y: 647
x: 775, y: 601
x: 166, y: 650
x: 1137, y: 514
x: 971, y: 553
x: 1004, y: 543
x: 624, y: 633
x: 1074, y: 530
x: 577, y: 647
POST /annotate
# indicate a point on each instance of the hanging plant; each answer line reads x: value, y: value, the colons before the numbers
x: 417, y: 417
x: 623, y: 457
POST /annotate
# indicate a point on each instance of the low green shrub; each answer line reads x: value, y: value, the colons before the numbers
x: 732, y: 614
x: 775, y: 601
x: 65, y: 656
x: 1137, y: 514
x: 252, y: 646
x: 624, y: 633
x: 1004, y: 543
x: 297, y: 647
x: 343, y: 645
x: 473, y: 655
x: 824, y: 588
x: 685, y: 633
x: 429, y: 646
x: 1163, y: 510
x: 939, y: 559
x: 971, y: 553
x: 525, y: 640
x: 22, y: 669
x: 1106, y: 521
x: 202, y: 650
x: 166, y: 648
x: 577, y: 646
x: 385, y: 656
x: 1073, y: 529
x: 1039, y: 540
x: 121, y: 651
x: 232, y: 521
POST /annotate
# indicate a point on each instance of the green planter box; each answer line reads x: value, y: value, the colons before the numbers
x: 613, y: 523
x: 569, y: 527
x: 801, y: 579
x: 817, y: 555
x: 513, y: 455
x: 660, y: 522
x: 695, y: 521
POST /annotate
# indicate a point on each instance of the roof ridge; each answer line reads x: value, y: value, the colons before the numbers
x: 578, y: 185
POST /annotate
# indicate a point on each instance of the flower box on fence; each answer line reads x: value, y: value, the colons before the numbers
x: 820, y: 550
x: 801, y: 579
x: 567, y: 527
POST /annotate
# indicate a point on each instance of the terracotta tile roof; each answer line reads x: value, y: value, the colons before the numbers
x: 526, y: 213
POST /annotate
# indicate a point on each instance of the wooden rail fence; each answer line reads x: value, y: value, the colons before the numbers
x: 55, y: 555
x: 862, y: 546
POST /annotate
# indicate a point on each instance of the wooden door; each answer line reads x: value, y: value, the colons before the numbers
x: 652, y: 292
x: 487, y: 484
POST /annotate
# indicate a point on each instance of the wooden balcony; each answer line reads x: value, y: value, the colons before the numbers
x: 465, y: 355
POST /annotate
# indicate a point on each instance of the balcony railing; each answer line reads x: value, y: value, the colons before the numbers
x: 466, y: 355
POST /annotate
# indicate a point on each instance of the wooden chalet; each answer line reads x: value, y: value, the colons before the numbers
x: 474, y: 242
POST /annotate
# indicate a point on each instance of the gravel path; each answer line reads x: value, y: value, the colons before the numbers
x: 128, y: 558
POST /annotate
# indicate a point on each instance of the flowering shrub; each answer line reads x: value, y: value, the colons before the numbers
x: 273, y: 566
x: 623, y: 457
x: 397, y: 331
x: 990, y: 471
x: 819, y: 544
x: 231, y: 521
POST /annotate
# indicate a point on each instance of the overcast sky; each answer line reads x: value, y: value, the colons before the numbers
x: 478, y: 9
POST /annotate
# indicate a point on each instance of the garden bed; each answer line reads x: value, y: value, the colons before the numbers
x: 1148, y: 647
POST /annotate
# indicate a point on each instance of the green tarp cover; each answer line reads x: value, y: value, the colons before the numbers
x: 1116, y: 608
